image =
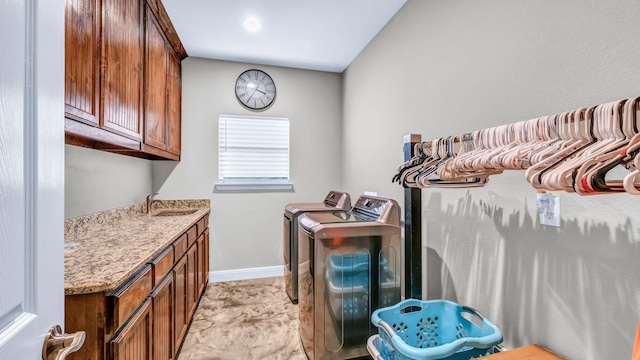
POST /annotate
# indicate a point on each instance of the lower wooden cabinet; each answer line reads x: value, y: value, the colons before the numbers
x: 147, y: 316
x: 192, y: 279
x: 163, y: 308
x: 202, y: 254
x: 180, y: 305
x: 134, y: 340
x: 206, y: 251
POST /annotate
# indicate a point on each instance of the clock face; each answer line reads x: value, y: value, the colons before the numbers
x: 255, y: 89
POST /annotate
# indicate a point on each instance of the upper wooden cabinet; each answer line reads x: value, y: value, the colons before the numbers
x: 82, y: 60
x: 162, y: 91
x: 174, y: 103
x: 122, y: 55
x: 123, y: 77
x: 155, y: 109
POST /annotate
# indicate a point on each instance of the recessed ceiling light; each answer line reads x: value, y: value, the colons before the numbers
x: 252, y: 24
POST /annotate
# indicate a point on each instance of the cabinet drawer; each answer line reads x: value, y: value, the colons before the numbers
x: 202, y: 224
x: 125, y: 299
x: 192, y: 235
x: 180, y: 246
x: 162, y: 264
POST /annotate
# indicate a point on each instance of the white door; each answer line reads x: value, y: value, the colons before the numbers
x: 31, y: 174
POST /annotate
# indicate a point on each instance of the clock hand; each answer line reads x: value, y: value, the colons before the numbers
x: 259, y: 91
x: 253, y: 93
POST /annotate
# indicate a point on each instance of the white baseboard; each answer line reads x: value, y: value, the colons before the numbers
x: 246, y: 274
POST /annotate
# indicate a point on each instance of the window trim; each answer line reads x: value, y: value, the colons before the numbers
x: 253, y: 186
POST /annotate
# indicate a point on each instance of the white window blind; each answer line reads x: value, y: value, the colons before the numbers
x: 253, y: 152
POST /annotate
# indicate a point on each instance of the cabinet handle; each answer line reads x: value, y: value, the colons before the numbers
x: 58, y: 345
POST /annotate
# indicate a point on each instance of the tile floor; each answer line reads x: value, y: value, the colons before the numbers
x: 244, y: 320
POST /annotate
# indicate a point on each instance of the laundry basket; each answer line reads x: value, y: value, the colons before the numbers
x: 353, y: 263
x: 429, y: 330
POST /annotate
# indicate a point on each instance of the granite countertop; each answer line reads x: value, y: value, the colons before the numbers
x: 104, y: 249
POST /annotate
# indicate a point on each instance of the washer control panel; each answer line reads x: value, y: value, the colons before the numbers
x: 371, y: 208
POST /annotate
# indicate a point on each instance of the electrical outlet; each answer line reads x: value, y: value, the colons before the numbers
x: 549, y: 209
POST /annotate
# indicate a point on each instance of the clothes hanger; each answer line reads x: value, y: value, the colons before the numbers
x: 503, y: 139
x: 445, y: 152
x: 450, y: 171
x: 488, y: 143
x: 629, y: 181
x: 462, y: 161
x: 411, y: 176
x: 419, y: 157
x: 534, y: 136
x: 551, y: 180
x: 454, y: 146
x: 585, y: 120
x: 465, y: 183
x: 546, y: 155
x: 589, y: 178
x: 566, y: 137
x: 408, y: 177
x: 517, y: 156
x: 548, y: 130
x: 507, y: 142
x: 561, y: 177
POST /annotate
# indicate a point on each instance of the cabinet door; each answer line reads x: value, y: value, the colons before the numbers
x: 208, y: 255
x: 192, y: 279
x: 163, y: 320
x: 155, y: 125
x: 174, y: 102
x: 122, y: 51
x: 180, y: 303
x: 82, y: 60
x: 202, y: 277
x: 134, y: 340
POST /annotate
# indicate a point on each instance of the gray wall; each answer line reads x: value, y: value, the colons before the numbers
x: 97, y: 180
x: 246, y: 227
x: 441, y: 68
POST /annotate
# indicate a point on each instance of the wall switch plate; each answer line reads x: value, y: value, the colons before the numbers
x: 549, y: 209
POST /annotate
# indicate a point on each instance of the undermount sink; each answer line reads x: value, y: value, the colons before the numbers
x: 174, y: 212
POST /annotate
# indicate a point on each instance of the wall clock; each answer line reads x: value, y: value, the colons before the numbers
x: 255, y: 90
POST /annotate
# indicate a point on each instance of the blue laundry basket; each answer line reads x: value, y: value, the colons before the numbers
x: 430, y: 330
x: 352, y: 263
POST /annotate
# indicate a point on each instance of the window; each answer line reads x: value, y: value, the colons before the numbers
x: 253, y: 153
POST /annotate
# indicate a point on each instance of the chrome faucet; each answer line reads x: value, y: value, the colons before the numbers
x: 149, y: 202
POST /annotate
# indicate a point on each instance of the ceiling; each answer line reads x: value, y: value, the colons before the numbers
x: 323, y: 35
